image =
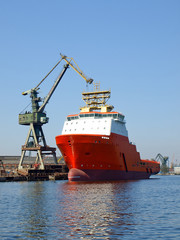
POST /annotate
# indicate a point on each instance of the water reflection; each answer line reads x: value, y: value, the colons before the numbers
x: 106, y: 210
x: 34, y: 217
x: 95, y: 209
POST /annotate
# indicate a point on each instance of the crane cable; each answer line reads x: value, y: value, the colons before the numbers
x: 48, y: 73
x: 25, y: 108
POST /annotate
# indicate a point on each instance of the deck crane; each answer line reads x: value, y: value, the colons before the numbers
x: 37, y: 117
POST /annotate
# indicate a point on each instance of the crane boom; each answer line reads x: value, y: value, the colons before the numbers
x: 76, y: 68
x: 41, y: 109
x: 49, y: 73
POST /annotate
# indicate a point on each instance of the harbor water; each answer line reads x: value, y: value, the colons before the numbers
x: 143, y: 209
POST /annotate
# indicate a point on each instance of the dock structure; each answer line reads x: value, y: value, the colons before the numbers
x: 9, y: 170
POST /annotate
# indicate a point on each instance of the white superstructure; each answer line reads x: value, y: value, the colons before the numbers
x: 95, y: 123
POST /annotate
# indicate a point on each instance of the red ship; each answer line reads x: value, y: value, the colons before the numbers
x: 95, y: 144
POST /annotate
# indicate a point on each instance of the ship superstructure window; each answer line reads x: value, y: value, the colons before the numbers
x: 88, y: 115
x: 116, y: 116
x: 72, y: 118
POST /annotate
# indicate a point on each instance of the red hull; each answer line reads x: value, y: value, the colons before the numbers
x: 97, y: 157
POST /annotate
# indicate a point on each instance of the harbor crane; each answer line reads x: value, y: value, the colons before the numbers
x: 164, y: 162
x: 37, y: 117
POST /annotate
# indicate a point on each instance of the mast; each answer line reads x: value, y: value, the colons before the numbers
x: 96, y: 100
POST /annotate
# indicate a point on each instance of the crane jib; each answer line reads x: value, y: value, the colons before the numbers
x: 53, y: 88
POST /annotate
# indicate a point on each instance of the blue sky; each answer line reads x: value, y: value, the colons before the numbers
x: 131, y: 47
